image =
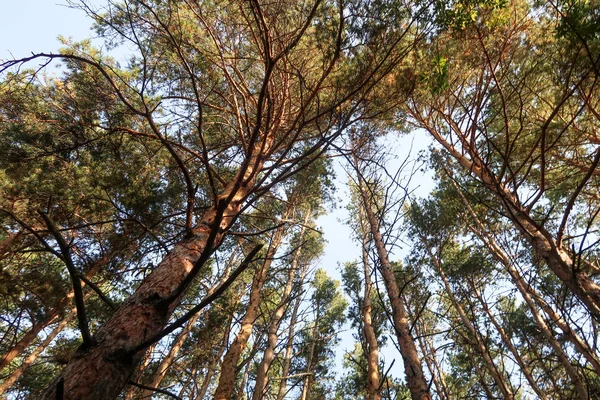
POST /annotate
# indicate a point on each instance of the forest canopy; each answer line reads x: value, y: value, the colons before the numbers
x: 162, y: 187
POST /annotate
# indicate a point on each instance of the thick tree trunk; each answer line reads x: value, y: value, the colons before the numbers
x: 167, y: 361
x: 226, y: 384
x: 16, y: 374
x: 260, y: 385
x: 101, y: 371
x: 415, y: 378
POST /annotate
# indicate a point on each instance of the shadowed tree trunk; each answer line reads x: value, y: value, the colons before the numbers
x: 415, y: 378
x: 372, y: 350
x: 261, y: 382
x: 228, y: 375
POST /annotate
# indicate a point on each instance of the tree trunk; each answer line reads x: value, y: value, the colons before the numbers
x: 542, y: 242
x: 436, y: 372
x: 527, y: 291
x: 372, y: 350
x: 167, y: 361
x: 226, y: 384
x: 478, y: 342
x: 289, y: 348
x: 309, y: 375
x: 49, y: 319
x: 102, y: 370
x: 415, y: 378
x: 16, y: 374
x: 260, y: 386
x: 508, y: 343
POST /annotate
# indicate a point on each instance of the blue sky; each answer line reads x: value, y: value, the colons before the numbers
x: 28, y: 26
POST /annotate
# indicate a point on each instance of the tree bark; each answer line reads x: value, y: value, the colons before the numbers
x: 226, y: 384
x: 261, y: 382
x: 102, y: 370
x: 167, y: 361
x: 289, y: 348
x: 372, y: 350
x: 415, y: 378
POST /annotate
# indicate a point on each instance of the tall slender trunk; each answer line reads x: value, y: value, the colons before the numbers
x: 372, y: 350
x: 261, y: 382
x: 308, y: 379
x: 241, y: 392
x: 289, y: 347
x: 192, y: 377
x: 508, y: 343
x: 432, y: 365
x: 476, y: 337
x: 540, y: 239
x: 50, y: 318
x: 226, y: 384
x: 415, y: 378
x: 102, y: 370
x: 16, y: 374
x: 529, y: 294
x: 167, y: 361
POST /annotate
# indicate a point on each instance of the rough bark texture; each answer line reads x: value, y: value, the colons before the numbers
x: 167, y: 361
x: 226, y: 385
x: 415, y: 378
x: 101, y: 371
x: 260, y: 385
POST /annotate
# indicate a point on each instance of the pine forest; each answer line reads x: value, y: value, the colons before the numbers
x: 165, y: 186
